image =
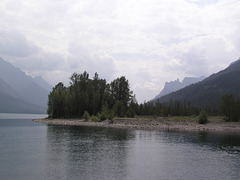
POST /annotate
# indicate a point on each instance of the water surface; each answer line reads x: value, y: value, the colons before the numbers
x: 36, y: 151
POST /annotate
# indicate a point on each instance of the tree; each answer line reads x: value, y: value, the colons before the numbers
x: 120, y: 91
x: 90, y: 95
x: 203, y: 118
x: 228, y: 107
x: 56, y: 101
x: 79, y: 86
x: 86, y: 116
x: 133, y: 107
x: 119, y: 109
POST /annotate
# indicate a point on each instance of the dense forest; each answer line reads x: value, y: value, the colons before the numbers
x: 229, y: 108
x: 207, y: 93
x: 95, y: 97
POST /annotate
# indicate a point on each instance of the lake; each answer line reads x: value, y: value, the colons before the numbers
x: 30, y: 150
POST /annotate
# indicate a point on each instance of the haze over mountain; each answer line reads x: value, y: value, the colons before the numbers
x: 41, y: 82
x: 20, y: 92
x: 176, y: 85
x: 208, y: 92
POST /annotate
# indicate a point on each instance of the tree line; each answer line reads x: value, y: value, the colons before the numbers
x: 228, y: 107
x: 101, y: 100
x: 94, y: 96
x: 172, y: 108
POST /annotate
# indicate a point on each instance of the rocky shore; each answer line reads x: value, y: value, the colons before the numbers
x: 149, y: 124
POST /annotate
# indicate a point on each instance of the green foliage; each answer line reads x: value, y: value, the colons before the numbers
x: 103, y: 116
x: 91, y: 95
x: 99, y: 116
x: 119, y: 109
x: 111, y: 115
x: 95, y: 118
x: 203, y: 118
x: 106, y: 114
x: 173, y: 108
x: 86, y: 115
x: 57, y: 101
x: 229, y: 107
x: 106, y: 100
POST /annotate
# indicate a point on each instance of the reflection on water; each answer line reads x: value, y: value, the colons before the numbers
x: 21, y: 116
x: 87, y: 152
x: 229, y: 142
x: 35, y: 151
x: 103, y: 153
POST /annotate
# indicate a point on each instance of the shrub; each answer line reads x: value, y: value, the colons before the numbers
x: 86, y: 116
x: 99, y: 116
x: 111, y: 115
x: 95, y: 118
x: 103, y: 116
x: 104, y: 113
x: 203, y: 118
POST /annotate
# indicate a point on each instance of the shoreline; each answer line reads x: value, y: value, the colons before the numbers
x: 149, y: 124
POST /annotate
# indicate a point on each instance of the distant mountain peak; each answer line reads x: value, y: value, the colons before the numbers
x: 20, y: 88
x: 41, y: 82
x: 176, y: 85
x: 208, y: 93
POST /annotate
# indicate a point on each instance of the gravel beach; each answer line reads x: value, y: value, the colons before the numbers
x: 158, y: 124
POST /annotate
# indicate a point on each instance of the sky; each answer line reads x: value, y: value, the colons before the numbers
x: 149, y: 42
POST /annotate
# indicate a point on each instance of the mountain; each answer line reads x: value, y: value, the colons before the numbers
x: 41, y: 82
x: 12, y: 104
x: 191, y: 80
x: 176, y: 85
x: 8, y: 90
x: 16, y: 84
x: 208, y: 92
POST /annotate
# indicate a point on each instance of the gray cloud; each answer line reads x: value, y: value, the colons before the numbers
x: 46, y: 61
x: 13, y: 43
x: 81, y: 59
x: 123, y: 56
x: 195, y: 62
x: 149, y: 42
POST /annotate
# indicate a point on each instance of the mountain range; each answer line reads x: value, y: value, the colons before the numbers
x: 20, y: 93
x: 208, y: 92
x: 172, y: 86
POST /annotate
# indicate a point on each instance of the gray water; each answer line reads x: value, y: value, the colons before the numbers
x: 31, y: 150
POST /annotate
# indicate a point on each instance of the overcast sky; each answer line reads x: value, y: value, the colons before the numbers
x: 147, y: 41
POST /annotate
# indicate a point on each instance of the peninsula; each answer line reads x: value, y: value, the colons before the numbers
x: 166, y: 123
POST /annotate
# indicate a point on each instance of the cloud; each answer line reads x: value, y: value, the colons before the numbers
x: 47, y: 61
x: 100, y: 9
x: 203, y: 2
x: 13, y: 43
x: 83, y: 59
x: 148, y: 41
x: 194, y: 62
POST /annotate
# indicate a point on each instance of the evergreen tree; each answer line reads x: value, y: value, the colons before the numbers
x: 203, y: 118
x: 57, y: 101
x: 90, y: 95
x: 229, y: 107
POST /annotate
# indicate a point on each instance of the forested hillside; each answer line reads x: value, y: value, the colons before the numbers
x: 173, y: 86
x: 207, y: 93
x: 218, y: 94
